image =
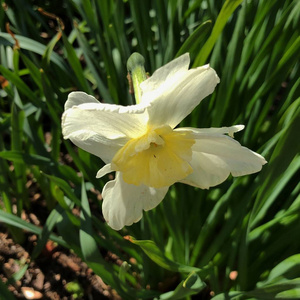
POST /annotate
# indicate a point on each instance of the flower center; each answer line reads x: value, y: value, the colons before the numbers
x: 157, y: 159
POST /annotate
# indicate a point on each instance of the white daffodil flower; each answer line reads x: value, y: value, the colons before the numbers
x: 141, y: 144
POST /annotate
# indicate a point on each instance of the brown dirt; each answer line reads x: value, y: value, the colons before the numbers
x: 48, y: 276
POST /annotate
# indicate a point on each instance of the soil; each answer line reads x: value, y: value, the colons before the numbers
x: 52, y: 275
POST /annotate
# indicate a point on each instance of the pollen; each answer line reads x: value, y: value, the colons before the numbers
x: 157, y: 159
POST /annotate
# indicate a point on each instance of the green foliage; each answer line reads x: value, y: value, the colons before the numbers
x: 248, y: 224
x: 75, y: 289
x: 190, y: 286
x: 151, y: 249
x: 283, y: 282
x: 5, y: 293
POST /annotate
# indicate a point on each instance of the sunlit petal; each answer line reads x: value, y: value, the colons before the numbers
x: 170, y: 72
x: 103, y: 171
x: 101, y: 129
x: 211, y: 131
x: 217, y: 156
x: 178, y: 94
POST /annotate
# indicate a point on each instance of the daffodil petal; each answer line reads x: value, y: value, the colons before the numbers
x: 104, y: 170
x: 77, y: 98
x: 123, y: 203
x: 169, y: 72
x: 216, y: 156
x: 213, y: 130
x: 101, y: 129
x: 177, y: 95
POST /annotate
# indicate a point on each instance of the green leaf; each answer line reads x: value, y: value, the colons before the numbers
x: 36, y: 47
x: 90, y: 60
x: 190, y: 286
x: 19, y: 223
x: 226, y: 11
x: 89, y: 247
x: 227, y: 296
x: 17, y: 121
x: 289, y: 294
x: 18, y: 275
x: 76, y: 66
x: 273, y: 291
x: 30, y: 159
x: 288, y: 290
x: 69, y: 233
x: 154, y: 253
x: 34, y: 71
x: 5, y: 293
x: 279, y: 168
x: 49, y: 94
x: 54, y: 216
x: 21, y: 85
x: 283, y: 282
x: 288, y: 268
x: 64, y: 186
x: 193, y: 42
x: 123, y: 270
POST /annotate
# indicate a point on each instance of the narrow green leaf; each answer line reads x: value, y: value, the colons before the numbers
x: 47, y: 229
x: 289, y: 268
x: 21, y: 85
x: 76, y: 66
x: 65, y: 187
x: 18, y: 275
x: 151, y: 249
x: 123, y: 270
x: 287, y: 290
x: 194, y: 41
x: 69, y: 233
x: 289, y: 294
x: 284, y: 153
x: 89, y: 246
x: 90, y: 58
x: 54, y: 110
x: 19, y: 223
x: 30, y: 159
x: 17, y: 121
x: 272, y: 290
x: 190, y: 286
x: 227, y: 296
x: 228, y: 8
x: 36, y: 47
x: 33, y: 70
x: 5, y: 293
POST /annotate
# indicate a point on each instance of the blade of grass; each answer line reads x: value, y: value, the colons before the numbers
x: 227, y: 10
x: 19, y: 223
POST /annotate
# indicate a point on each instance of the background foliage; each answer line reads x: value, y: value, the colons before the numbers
x: 249, y: 224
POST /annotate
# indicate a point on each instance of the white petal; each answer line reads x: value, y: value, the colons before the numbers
x: 178, y: 95
x: 123, y: 203
x: 216, y: 156
x: 101, y: 129
x: 77, y: 98
x: 173, y: 69
x: 103, y: 171
x: 210, y: 131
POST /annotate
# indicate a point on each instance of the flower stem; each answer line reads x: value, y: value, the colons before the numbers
x: 135, y: 65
